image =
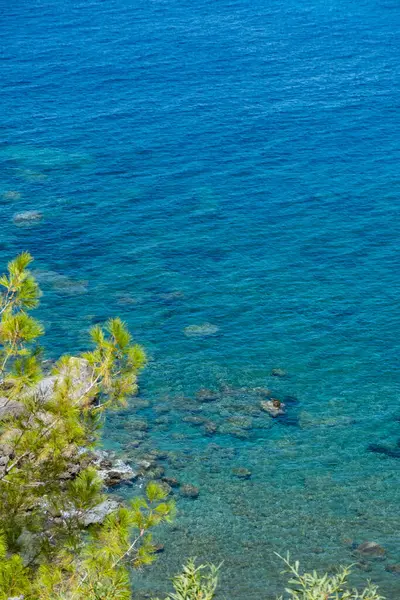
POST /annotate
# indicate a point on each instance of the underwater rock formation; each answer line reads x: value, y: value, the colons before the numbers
x: 273, y: 407
x: 371, y: 549
x: 189, y: 491
x: 113, y: 471
x: 278, y: 373
x: 206, y: 395
x: 27, y: 218
x: 387, y: 451
x: 201, y: 330
x: 242, y: 472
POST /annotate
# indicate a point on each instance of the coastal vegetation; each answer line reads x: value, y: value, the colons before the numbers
x: 49, y: 482
x: 61, y: 536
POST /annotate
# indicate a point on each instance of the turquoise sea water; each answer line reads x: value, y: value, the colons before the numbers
x: 232, y: 163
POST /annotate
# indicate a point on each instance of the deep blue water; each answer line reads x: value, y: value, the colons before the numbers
x: 233, y: 163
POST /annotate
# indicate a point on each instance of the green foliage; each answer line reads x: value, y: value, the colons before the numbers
x: 200, y: 583
x: 46, y: 485
x: 195, y: 583
x: 312, y: 586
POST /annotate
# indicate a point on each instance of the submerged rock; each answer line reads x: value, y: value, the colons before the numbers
x: 371, y: 549
x: 194, y: 420
x: 171, y: 481
x: 395, y: 569
x: 155, y: 473
x: 136, y: 425
x: 261, y: 391
x: 27, y: 218
x: 133, y: 444
x: 11, y: 195
x: 61, y: 283
x: 171, y: 296
x: 201, y: 330
x: 278, y: 373
x: 386, y: 450
x: 241, y: 421
x: 163, y: 420
x: 207, y: 395
x: 273, y: 407
x: 242, y: 472
x: 210, y: 428
x: 235, y: 431
x: 189, y: 491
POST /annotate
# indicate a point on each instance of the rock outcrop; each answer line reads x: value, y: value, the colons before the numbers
x: 371, y: 549
x: 273, y: 407
x: 112, y: 470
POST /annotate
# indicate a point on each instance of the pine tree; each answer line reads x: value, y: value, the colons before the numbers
x: 47, y: 485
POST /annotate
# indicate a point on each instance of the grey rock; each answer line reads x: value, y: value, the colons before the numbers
x: 206, y: 395
x: 10, y: 408
x: 395, y: 569
x: 210, y: 428
x: 100, y: 512
x: 273, y: 407
x: 278, y: 373
x: 113, y: 471
x: 194, y: 420
x: 371, y: 549
x: 189, y: 491
x: 242, y: 472
x: 27, y: 218
x: 201, y: 330
x: 171, y: 481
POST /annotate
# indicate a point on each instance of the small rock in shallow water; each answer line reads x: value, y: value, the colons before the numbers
x: 201, y: 330
x: 133, y: 444
x: 241, y: 421
x: 189, y: 491
x: 155, y: 473
x: 194, y: 420
x: 178, y: 436
x: 273, y: 407
x: 206, y: 395
x: 136, y: 425
x: 113, y: 471
x: 210, y: 428
x: 371, y: 549
x: 242, y: 472
x: 27, y: 218
x: 278, y: 373
x: 395, y: 569
x: 261, y: 391
x: 171, y: 481
x: 146, y: 463
x: 11, y: 195
x: 171, y: 296
x: 386, y: 450
x: 163, y: 420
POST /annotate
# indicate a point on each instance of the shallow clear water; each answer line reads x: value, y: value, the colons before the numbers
x: 232, y: 163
